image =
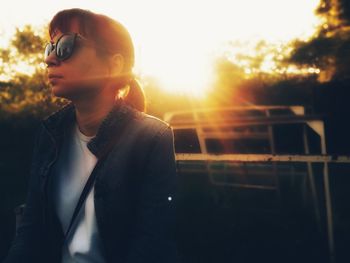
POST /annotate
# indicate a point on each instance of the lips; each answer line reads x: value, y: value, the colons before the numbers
x: 55, y: 76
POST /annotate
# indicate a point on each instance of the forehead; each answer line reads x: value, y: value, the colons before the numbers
x: 73, y: 27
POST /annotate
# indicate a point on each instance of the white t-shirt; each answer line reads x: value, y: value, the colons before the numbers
x: 73, y: 167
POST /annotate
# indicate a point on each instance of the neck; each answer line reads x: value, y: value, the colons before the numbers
x: 90, y: 113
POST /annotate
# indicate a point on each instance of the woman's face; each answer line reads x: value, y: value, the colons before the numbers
x: 82, y: 75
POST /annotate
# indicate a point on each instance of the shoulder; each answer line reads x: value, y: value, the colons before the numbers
x: 152, y: 125
x: 145, y: 131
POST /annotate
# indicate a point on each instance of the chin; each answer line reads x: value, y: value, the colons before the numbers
x: 62, y: 92
x: 72, y: 91
x: 58, y: 91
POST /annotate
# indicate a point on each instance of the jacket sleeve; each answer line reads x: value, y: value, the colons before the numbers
x: 153, y: 238
x: 25, y: 246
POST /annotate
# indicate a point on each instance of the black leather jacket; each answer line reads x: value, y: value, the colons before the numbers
x: 135, y: 190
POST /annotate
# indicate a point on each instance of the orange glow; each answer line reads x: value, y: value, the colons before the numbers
x: 176, y: 42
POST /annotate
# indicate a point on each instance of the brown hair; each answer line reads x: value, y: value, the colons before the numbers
x: 111, y: 37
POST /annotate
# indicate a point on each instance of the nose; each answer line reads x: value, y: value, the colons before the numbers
x: 51, y: 59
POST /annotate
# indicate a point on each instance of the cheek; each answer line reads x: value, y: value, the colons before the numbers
x: 86, y: 67
x: 83, y: 68
x: 87, y: 70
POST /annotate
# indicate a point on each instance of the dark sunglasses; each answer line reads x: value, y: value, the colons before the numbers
x: 64, y: 46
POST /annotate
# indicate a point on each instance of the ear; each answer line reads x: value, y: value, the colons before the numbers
x: 116, y: 64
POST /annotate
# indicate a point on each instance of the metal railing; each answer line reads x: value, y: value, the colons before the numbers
x: 223, y: 123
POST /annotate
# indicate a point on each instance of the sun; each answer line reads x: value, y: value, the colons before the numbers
x: 179, y: 45
x: 177, y: 41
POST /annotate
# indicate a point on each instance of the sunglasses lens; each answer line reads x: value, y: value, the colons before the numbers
x: 48, y: 50
x: 64, y: 47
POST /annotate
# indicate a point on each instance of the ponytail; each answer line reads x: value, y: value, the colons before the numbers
x: 135, y: 95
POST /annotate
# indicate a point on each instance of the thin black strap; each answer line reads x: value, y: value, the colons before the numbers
x: 86, y: 190
x: 92, y: 177
x: 90, y: 181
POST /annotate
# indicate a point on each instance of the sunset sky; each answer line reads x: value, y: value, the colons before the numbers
x: 176, y: 41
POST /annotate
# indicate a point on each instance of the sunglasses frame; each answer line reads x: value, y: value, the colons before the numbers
x: 53, y: 46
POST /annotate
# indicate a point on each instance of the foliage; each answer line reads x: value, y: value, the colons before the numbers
x: 329, y: 49
x: 24, y: 88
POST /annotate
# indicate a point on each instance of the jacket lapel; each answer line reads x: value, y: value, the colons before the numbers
x: 57, y: 125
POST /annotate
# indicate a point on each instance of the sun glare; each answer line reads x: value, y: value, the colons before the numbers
x: 179, y: 46
x: 176, y: 42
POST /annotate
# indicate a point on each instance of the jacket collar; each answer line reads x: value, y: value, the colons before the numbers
x: 58, y: 122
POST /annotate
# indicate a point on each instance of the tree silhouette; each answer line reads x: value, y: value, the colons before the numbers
x: 24, y: 88
x: 329, y: 49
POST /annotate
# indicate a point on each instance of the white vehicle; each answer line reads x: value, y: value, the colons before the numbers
x: 264, y: 148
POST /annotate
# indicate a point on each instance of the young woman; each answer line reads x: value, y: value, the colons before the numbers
x: 103, y: 177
